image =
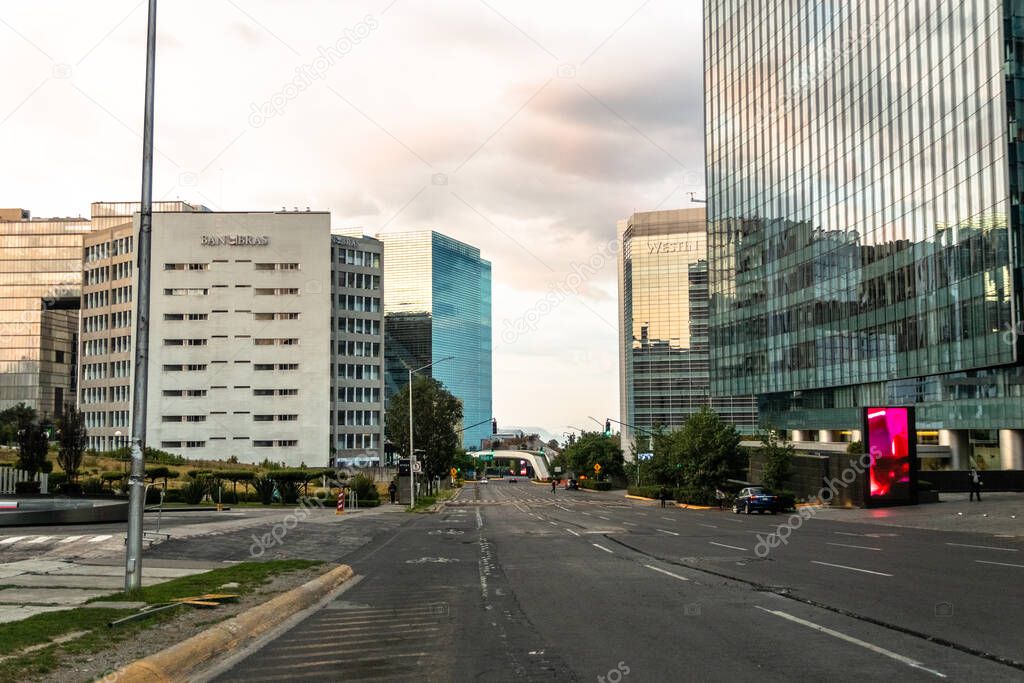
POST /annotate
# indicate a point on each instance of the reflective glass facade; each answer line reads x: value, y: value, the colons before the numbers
x: 437, y: 303
x: 863, y: 170
x: 40, y: 287
x: 663, y: 298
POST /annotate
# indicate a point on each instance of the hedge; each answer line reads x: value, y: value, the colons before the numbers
x: 644, y: 491
x: 595, y: 485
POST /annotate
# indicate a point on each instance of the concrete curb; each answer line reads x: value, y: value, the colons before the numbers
x: 180, y: 662
x: 655, y: 500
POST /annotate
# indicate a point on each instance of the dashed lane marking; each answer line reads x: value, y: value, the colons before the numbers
x: 852, y: 569
x: 731, y: 547
x: 667, y: 573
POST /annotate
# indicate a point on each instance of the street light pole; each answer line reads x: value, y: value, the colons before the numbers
x: 412, y: 453
x: 136, y: 480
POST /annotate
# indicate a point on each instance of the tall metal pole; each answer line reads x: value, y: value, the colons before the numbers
x: 412, y: 453
x: 136, y: 480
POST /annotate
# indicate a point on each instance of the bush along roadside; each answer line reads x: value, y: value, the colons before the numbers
x: 595, y: 485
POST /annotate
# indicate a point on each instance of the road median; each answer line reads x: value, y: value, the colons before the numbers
x: 180, y: 662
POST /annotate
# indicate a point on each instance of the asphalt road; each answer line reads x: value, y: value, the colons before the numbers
x: 513, y: 582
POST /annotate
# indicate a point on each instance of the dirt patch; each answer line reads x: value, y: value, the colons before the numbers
x: 186, y: 624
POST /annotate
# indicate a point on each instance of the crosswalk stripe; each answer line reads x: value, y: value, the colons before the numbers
x: 100, y: 538
x: 39, y: 539
x: 71, y: 538
x: 13, y: 539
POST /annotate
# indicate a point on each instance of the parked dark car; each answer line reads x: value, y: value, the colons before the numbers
x: 755, y: 499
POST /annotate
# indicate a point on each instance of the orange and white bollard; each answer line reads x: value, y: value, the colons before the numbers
x: 341, y: 503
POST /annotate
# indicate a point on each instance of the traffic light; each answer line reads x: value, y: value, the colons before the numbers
x: 494, y: 426
x: 607, y: 427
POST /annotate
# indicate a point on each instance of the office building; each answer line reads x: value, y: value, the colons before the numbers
x: 864, y: 217
x: 437, y: 303
x: 266, y: 337
x: 40, y: 288
x: 357, y: 343
x: 663, y: 318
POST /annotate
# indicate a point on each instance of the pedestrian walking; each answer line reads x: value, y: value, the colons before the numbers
x: 554, y: 485
x: 663, y: 495
x: 393, y: 492
x: 975, y: 484
x: 720, y: 497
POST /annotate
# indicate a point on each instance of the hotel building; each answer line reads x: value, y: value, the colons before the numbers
x: 663, y: 326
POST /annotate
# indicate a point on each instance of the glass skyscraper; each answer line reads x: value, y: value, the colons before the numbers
x: 864, y: 171
x: 437, y: 303
x: 663, y: 325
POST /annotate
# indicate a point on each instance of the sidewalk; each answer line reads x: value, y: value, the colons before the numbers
x: 1000, y: 514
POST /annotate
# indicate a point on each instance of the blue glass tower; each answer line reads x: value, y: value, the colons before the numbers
x: 437, y: 303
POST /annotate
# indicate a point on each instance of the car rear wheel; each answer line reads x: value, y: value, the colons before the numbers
x: 746, y: 508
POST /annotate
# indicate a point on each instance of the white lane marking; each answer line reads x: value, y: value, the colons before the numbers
x: 39, y: 539
x: 628, y: 524
x: 710, y: 526
x: 847, y: 545
x: 850, y: 639
x: 69, y: 539
x: 668, y: 518
x: 602, y: 548
x: 852, y: 569
x: 662, y: 571
x: 553, y: 523
x: 479, y: 519
x: 572, y: 532
x: 847, y: 533
x: 1001, y: 564
x: 605, y: 518
x: 99, y: 538
x: 723, y: 545
x: 983, y: 547
x: 562, y: 507
x: 586, y: 513
x: 670, y: 533
x: 13, y: 539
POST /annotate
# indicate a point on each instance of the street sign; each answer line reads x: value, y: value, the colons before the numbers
x: 558, y: 470
x: 453, y: 471
x: 597, y: 467
x: 417, y: 467
x: 645, y: 456
x: 403, y: 467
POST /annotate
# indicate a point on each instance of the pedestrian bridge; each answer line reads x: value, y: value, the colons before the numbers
x: 536, y: 460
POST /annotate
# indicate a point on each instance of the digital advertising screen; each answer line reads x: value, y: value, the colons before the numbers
x: 890, y: 441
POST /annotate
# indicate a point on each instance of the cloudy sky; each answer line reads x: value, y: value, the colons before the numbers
x: 526, y: 128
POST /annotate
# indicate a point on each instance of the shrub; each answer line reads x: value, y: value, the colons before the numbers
x: 93, y: 486
x: 264, y: 488
x: 289, y: 491
x: 69, y: 489
x: 924, y: 485
x: 56, y: 479
x: 644, y: 491
x: 595, y: 485
x: 194, y: 490
x: 23, y: 488
x: 365, y: 490
x: 695, y: 496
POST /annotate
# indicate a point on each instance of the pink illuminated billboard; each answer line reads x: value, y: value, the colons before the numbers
x: 890, y: 441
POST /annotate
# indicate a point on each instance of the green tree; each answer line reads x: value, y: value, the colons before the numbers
x: 71, y: 440
x: 33, y: 446
x: 15, y: 419
x: 701, y: 454
x: 593, y: 448
x: 436, y: 414
x: 778, y: 459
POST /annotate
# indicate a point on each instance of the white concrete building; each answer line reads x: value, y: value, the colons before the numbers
x: 266, y: 337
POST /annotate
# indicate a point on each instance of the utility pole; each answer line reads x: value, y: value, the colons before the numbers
x: 136, y: 480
